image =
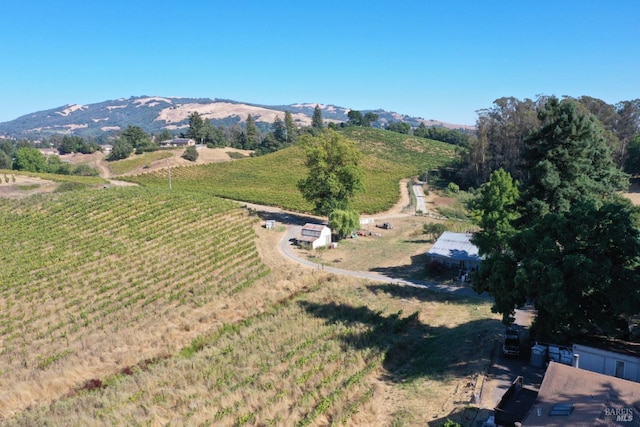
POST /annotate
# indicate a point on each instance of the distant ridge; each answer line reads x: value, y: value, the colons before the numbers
x: 157, y: 113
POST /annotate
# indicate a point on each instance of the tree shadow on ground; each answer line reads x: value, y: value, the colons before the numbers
x: 413, y: 270
x: 287, y: 218
x: 420, y: 294
x: 411, y: 348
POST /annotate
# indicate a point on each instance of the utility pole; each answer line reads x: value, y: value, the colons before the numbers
x: 169, y: 173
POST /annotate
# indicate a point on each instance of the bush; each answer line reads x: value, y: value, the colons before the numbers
x: 190, y: 154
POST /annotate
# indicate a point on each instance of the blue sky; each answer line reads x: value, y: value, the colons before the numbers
x: 440, y: 60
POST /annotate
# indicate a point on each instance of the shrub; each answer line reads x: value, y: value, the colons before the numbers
x: 190, y: 154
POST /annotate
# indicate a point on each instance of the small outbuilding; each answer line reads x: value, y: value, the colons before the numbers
x: 615, y: 358
x: 455, y: 250
x: 315, y: 235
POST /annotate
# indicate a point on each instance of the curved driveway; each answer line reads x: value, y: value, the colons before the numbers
x: 286, y: 247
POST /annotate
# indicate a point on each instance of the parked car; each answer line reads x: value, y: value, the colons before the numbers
x: 511, y: 343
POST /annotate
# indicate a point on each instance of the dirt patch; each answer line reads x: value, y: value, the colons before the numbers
x: 634, y: 191
x: 205, y: 155
x: 19, y: 186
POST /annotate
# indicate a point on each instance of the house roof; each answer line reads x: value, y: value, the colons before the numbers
x: 584, y: 398
x: 455, y: 246
x: 314, y: 227
x: 178, y: 141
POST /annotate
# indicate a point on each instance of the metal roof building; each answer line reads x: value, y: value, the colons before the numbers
x: 455, y: 250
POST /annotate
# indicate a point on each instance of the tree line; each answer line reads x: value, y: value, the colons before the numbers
x: 23, y: 155
x: 501, y: 132
x: 450, y: 136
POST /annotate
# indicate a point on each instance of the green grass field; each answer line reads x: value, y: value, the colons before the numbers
x: 419, y: 154
x: 271, y: 179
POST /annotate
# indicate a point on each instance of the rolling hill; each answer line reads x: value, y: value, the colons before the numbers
x: 156, y: 113
x: 271, y: 179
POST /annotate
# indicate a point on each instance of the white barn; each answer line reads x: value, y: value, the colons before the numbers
x: 315, y: 235
x: 455, y: 250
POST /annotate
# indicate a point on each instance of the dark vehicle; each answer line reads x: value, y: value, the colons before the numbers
x: 511, y: 343
x: 386, y: 226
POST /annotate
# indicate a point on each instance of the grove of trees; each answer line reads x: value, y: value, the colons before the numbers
x: 560, y: 235
x: 501, y: 132
x: 356, y: 118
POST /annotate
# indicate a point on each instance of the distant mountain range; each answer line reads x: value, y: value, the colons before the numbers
x: 154, y: 114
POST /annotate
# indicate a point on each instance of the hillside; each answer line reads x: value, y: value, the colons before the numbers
x: 156, y: 113
x: 271, y: 179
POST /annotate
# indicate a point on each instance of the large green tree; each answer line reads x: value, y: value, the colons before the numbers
x: 632, y: 163
x: 196, y: 127
x: 136, y: 137
x: 30, y: 159
x: 291, y: 128
x: 5, y: 161
x: 369, y: 118
x: 7, y: 147
x: 335, y: 173
x: 495, y: 211
x: 316, y: 119
x: 344, y: 222
x: 568, y: 241
x: 252, y: 134
x: 355, y: 118
x: 121, y: 150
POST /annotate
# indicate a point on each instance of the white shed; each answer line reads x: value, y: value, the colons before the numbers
x: 315, y: 235
x: 609, y: 357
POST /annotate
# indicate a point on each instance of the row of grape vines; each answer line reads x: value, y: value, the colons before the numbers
x: 79, y: 266
x: 301, y: 362
x: 272, y: 180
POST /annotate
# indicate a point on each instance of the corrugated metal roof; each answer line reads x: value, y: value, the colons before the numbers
x: 315, y: 227
x: 455, y: 246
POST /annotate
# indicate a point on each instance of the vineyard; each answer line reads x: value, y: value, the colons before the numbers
x: 323, y: 356
x: 419, y: 154
x: 150, y: 306
x: 85, y: 274
x: 271, y: 180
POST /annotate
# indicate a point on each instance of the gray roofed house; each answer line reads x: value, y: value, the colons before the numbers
x: 455, y: 250
x: 570, y: 396
x: 177, y: 142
